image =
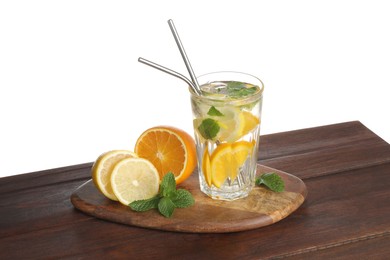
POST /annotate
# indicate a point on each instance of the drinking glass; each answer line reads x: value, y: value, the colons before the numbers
x: 226, y: 118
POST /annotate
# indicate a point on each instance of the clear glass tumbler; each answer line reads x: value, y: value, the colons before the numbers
x: 226, y: 120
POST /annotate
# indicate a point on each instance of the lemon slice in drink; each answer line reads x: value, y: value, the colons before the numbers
x: 134, y: 179
x: 228, y: 125
x: 102, y: 169
x: 226, y: 160
x: 206, y: 167
x: 232, y: 124
x: 249, y: 122
x: 235, y: 124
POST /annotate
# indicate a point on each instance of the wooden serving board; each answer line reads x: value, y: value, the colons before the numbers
x: 261, y: 208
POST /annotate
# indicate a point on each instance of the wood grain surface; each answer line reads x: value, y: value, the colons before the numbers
x: 261, y: 208
x: 346, y: 169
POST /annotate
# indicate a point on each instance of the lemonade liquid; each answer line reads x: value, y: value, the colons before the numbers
x: 227, y: 132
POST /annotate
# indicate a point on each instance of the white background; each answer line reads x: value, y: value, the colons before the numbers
x: 71, y: 87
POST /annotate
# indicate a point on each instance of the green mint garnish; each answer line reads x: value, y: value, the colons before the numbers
x: 167, y: 199
x: 273, y: 181
x: 236, y: 89
x: 234, y: 85
x: 214, y: 112
x: 145, y: 205
x: 167, y: 185
x: 166, y: 207
x: 184, y: 199
x: 209, y: 128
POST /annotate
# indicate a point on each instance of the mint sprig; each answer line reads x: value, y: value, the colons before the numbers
x: 167, y: 199
x: 273, y: 181
x: 238, y: 89
x: 209, y: 128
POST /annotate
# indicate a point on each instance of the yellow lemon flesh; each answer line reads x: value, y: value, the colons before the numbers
x: 134, y: 179
x: 102, y: 169
x: 206, y: 167
x: 249, y: 122
x: 226, y: 160
x: 230, y: 124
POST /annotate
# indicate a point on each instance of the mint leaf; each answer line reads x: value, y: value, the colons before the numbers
x: 236, y: 89
x: 144, y: 205
x: 167, y: 200
x: 273, y: 181
x: 168, y: 184
x: 234, y: 85
x: 209, y: 128
x: 243, y: 92
x: 166, y: 207
x: 214, y: 112
x: 184, y: 199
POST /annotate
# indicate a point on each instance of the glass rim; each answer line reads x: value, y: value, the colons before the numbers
x: 247, y: 98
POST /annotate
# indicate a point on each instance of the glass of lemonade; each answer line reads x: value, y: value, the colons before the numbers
x: 227, y: 132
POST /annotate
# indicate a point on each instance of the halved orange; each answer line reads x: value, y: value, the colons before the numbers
x: 169, y: 149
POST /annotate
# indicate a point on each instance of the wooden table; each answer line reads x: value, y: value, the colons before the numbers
x: 346, y: 168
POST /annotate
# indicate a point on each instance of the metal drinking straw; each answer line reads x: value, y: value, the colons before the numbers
x: 169, y: 71
x: 194, y: 83
x: 183, y: 54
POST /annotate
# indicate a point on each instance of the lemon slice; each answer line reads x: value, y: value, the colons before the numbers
x: 206, y: 167
x: 226, y: 160
x: 230, y: 124
x: 102, y: 168
x: 249, y: 122
x: 134, y: 179
x: 234, y: 123
x: 221, y: 164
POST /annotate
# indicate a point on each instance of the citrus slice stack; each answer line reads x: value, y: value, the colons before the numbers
x: 134, y: 179
x: 226, y: 160
x: 102, y: 169
x: 169, y: 149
